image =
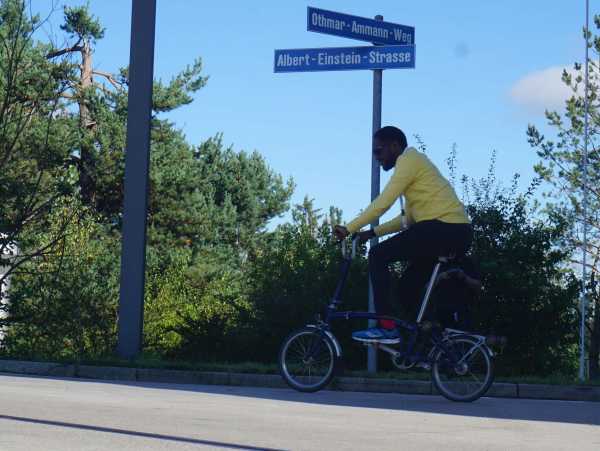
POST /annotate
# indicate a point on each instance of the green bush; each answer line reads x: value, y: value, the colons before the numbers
x: 64, y: 304
x: 191, y: 317
x: 295, y: 275
x: 530, y: 295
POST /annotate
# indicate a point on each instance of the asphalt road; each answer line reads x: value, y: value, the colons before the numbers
x: 77, y: 414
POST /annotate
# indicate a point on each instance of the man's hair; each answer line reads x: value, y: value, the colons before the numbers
x: 391, y: 134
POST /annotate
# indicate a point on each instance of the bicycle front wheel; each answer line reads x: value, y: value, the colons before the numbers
x: 463, y: 371
x: 307, y: 360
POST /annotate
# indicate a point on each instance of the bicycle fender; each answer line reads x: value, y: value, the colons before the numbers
x: 481, y: 344
x: 478, y: 338
x: 336, y: 343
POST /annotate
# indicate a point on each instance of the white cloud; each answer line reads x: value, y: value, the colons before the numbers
x: 541, y: 90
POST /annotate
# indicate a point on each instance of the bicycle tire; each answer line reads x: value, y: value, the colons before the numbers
x: 322, y: 351
x: 450, y: 389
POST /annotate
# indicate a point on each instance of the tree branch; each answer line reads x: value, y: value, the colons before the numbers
x: 75, y: 48
x: 109, y: 77
x: 41, y: 251
x: 588, y: 265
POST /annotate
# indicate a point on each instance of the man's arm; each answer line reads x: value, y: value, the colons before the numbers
x: 393, y: 225
x: 403, y: 221
x: 403, y: 175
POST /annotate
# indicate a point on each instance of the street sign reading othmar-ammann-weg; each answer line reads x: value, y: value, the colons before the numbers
x: 361, y: 28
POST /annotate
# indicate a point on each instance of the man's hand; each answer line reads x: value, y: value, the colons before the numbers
x: 365, y: 235
x: 340, y: 232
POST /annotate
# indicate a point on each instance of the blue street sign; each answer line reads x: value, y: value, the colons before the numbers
x: 361, y: 28
x: 345, y: 58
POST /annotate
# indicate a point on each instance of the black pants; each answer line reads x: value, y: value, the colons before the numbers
x: 420, y: 245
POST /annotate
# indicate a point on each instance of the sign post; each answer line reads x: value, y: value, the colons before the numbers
x: 393, y: 48
x: 375, y: 187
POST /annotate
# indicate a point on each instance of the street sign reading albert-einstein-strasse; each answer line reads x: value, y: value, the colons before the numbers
x: 345, y: 58
x: 361, y: 28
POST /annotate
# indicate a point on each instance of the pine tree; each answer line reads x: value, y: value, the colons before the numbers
x: 35, y: 140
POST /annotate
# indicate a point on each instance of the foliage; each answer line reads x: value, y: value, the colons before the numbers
x: 214, y: 198
x: 64, y: 304
x: 529, y: 294
x: 206, y: 319
x: 294, y: 277
x: 80, y: 24
x: 34, y: 139
x: 207, y: 202
x: 561, y: 166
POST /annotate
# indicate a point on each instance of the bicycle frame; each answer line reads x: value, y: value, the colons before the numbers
x: 412, y: 328
x: 447, y: 353
x: 332, y: 313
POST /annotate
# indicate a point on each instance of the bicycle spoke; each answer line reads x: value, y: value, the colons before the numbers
x: 301, y: 344
x: 474, y: 377
x: 467, y: 355
x: 297, y: 353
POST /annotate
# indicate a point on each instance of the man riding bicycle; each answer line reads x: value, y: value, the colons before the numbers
x: 436, y: 225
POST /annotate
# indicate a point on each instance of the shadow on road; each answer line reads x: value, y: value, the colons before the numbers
x: 173, y: 438
x: 575, y: 412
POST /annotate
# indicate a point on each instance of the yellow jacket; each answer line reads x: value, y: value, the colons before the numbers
x: 428, y: 196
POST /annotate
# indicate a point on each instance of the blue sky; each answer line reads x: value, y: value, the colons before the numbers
x: 485, y: 69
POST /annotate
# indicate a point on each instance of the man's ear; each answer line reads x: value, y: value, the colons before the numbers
x: 395, y: 146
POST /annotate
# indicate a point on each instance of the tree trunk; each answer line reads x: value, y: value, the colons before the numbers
x: 86, y: 167
x: 86, y: 82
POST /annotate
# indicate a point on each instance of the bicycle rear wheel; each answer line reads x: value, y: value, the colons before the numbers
x: 307, y: 360
x: 465, y: 371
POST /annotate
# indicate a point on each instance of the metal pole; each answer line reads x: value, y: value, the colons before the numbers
x: 582, y: 372
x: 375, y: 183
x: 137, y: 156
